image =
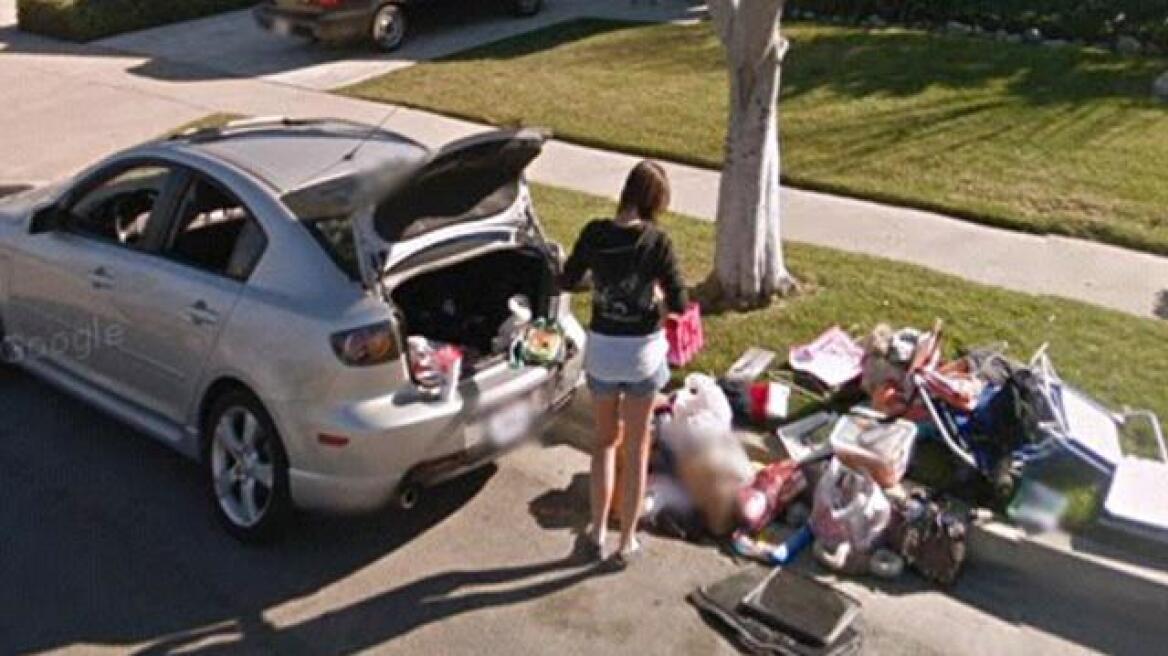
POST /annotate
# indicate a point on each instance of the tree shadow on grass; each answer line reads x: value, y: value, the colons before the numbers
x: 903, y: 63
x: 852, y: 62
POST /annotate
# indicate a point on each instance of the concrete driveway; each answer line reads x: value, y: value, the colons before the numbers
x: 231, y: 43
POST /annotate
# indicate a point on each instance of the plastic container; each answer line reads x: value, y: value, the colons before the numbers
x: 685, y: 335
x: 882, y: 450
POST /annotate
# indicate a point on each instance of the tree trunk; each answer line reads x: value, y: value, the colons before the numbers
x: 748, y: 266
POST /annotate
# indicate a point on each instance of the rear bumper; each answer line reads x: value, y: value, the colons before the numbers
x: 399, y: 439
x: 328, y: 26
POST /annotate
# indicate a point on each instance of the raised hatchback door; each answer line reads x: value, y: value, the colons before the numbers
x: 469, y: 180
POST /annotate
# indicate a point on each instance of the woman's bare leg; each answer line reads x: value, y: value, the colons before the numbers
x: 636, y: 412
x: 608, y: 435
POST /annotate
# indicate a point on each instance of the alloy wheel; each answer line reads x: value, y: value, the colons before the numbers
x: 389, y: 28
x: 242, y: 467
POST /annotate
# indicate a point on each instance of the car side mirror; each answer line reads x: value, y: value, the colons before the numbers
x: 47, y: 219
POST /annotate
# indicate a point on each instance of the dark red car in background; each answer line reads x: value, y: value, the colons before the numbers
x: 385, y: 23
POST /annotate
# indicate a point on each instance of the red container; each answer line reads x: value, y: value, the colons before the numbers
x: 685, y: 335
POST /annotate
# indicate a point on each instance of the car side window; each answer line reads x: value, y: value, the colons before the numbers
x: 215, y: 232
x: 120, y: 209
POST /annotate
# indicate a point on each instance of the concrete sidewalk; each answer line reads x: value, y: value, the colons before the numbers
x: 93, y: 100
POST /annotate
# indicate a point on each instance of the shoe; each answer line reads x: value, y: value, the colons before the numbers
x: 625, y: 558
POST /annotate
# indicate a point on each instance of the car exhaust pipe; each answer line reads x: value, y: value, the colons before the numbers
x: 408, y: 496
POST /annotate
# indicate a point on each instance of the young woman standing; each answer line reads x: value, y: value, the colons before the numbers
x: 634, y: 270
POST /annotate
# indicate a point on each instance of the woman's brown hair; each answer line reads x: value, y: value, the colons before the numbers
x: 646, y: 191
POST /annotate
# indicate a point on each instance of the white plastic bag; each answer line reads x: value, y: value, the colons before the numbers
x: 850, y: 508
x: 701, y: 415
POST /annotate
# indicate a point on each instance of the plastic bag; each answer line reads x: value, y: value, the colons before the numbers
x: 850, y: 508
x: 520, y: 317
x: 435, y: 367
x: 701, y: 415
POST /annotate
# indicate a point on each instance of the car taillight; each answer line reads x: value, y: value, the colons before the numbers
x: 329, y: 4
x: 366, y: 346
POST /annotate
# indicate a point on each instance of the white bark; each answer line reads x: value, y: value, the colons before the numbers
x: 748, y: 262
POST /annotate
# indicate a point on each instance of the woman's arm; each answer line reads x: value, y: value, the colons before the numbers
x: 577, y: 265
x: 670, y: 279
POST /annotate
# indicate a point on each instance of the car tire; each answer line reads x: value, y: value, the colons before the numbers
x: 389, y: 27
x: 246, y: 468
x: 524, y: 8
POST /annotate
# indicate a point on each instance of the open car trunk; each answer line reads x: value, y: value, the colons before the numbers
x: 466, y: 303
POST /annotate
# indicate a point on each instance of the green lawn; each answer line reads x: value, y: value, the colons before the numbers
x: 1049, y: 140
x: 1120, y: 358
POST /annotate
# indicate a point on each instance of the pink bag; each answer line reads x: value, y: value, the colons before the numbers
x: 774, y: 487
x: 685, y: 336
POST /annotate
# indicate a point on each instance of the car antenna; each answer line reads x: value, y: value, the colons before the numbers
x: 348, y: 157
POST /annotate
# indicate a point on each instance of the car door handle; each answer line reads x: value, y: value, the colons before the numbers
x: 99, y: 278
x: 202, y: 315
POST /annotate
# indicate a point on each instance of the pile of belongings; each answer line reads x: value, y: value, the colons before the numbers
x: 703, y: 484
x: 1006, y: 420
x: 781, y: 612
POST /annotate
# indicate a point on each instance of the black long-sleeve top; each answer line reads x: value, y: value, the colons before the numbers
x: 626, y: 263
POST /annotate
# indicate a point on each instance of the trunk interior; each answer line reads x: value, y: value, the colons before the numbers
x: 467, y: 303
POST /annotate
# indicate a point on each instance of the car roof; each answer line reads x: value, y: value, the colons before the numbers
x: 291, y: 154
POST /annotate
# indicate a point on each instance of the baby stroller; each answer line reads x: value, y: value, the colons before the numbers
x: 1024, y: 415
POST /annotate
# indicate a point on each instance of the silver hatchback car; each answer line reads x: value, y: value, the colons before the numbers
x: 246, y: 294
